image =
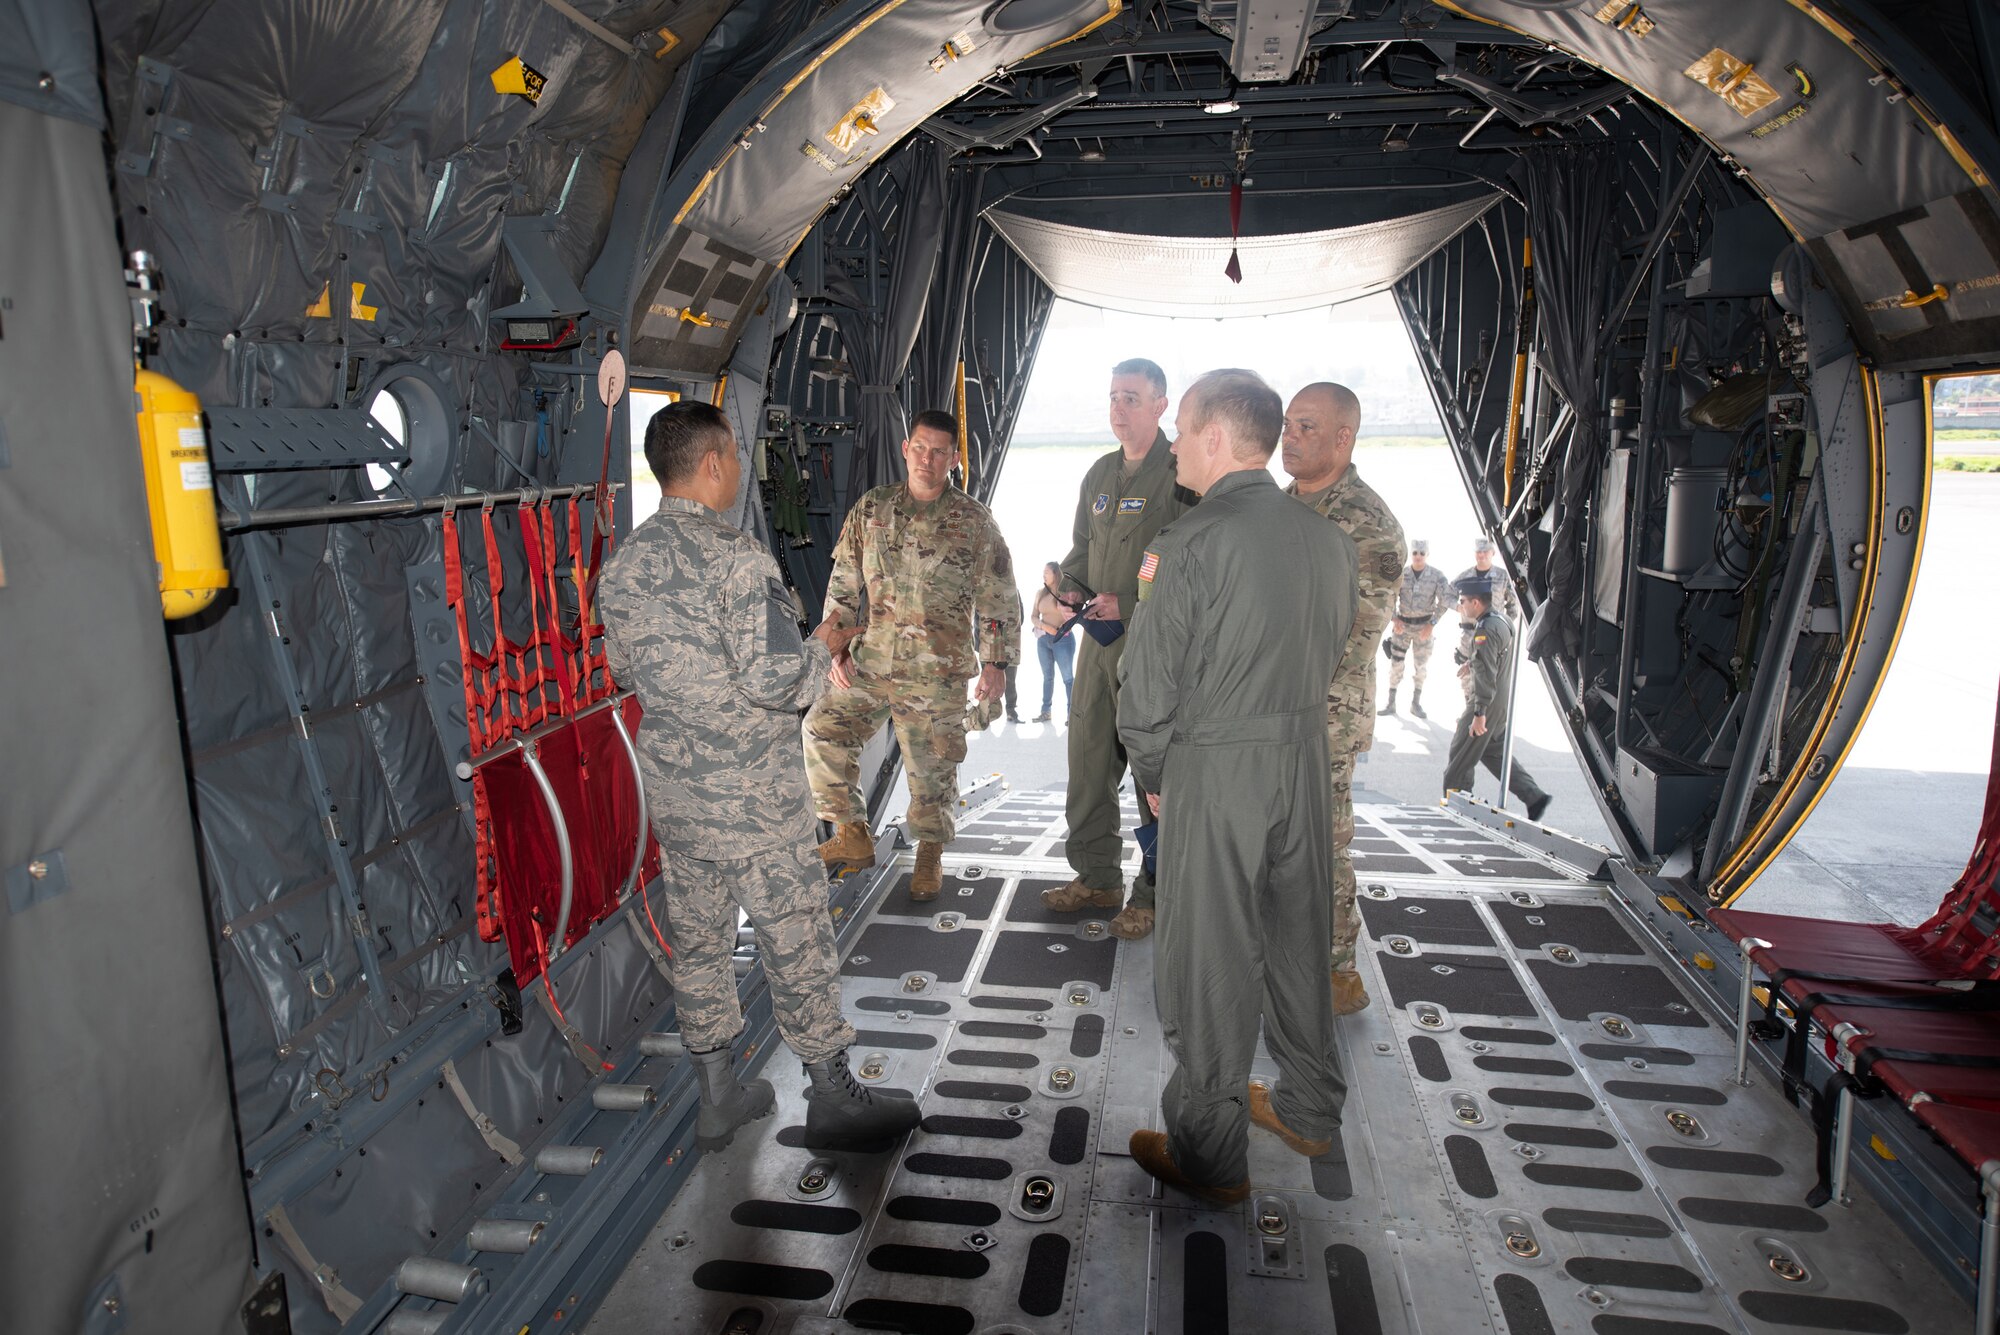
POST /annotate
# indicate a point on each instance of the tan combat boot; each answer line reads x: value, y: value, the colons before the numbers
x: 1264, y: 1115
x: 928, y: 878
x: 1349, y: 996
x: 1150, y: 1150
x: 1076, y: 895
x: 850, y: 849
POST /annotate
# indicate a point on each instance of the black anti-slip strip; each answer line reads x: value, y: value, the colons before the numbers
x: 1001, y: 1029
x: 980, y: 1092
x: 935, y: 1262
x: 1812, y: 1311
x: 795, y: 1217
x: 763, y: 1281
x: 1351, y: 1288
x: 894, y: 1038
x: 1429, y: 1057
x: 1015, y: 1061
x: 993, y: 1003
x: 1575, y: 1137
x: 1647, y: 1091
x: 1480, y: 1033
x: 1469, y: 1166
x: 1523, y: 1065
x: 1622, y: 1052
x: 1576, y: 1175
x: 985, y: 1128
x: 1521, y: 1303
x: 1615, y: 1272
x: 1087, y: 1038
x: 943, y: 1210
x: 908, y: 1318
x: 1562, y: 1100
x: 1071, y: 1136
x: 1205, y: 1284
x: 1753, y: 1214
x: 914, y: 1005
x: 1606, y: 1223
x: 1714, y: 1161
x: 1043, y: 1278
x: 959, y: 1165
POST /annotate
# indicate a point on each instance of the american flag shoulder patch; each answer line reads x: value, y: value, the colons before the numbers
x: 1149, y: 567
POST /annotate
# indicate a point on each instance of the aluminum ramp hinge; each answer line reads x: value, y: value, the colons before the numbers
x: 496, y: 1139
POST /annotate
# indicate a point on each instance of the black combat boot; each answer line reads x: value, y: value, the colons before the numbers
x: 843, y: 1113
x: 725, y: 1103
x: 1389, y: 708
x: 1416, y: 702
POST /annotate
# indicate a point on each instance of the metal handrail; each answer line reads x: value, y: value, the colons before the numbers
x: 639, y: 787
x: 548, y: 790
x: 236, y: 521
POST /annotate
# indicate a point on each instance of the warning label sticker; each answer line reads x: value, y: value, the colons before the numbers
x: 195, y: 477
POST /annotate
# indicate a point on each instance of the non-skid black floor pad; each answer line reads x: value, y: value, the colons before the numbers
x: 1813, y: 1311
x: 1737, y: 1163
x: 909, y: 1318
x: 763, y: 1281
x: 1494, y: 868
x: 1070, y: 1137
x: 1040, y: 959
x: 892, y: 949
x: 1576, y: 1137
x: 1428, y: 1055
x: 993, y: 1002
x: 974, y: 899
x: 1389, y: 864
x: 1654, y: 1091
x: 1001, y: 1029
x: 1753, y: 1214
x: 914, y: 1005
x: 1470, y: 985
x: 1011, y: 845
x: 1521, y: 1304
x: 1636, y: 991
x: 1617, y: 1273
x: 1534, y: 1038
x: 944, y: 1210
x: 933, y: 1262
x: 1027, y: 907
x: 1626, y: 1053
x: 1470, y: 1168
x: 1587, y: 927
x: 1429, y: 921
x: 894, y: 1038
x: 1500, y: 1064
x: 795, y: 1217
x: 981, y: 1091
x: 1351, y: 1289
x: 1578, y: 1175
x: 1045, y: 1276
x: 1205, y: 1283
x: 1607, y: 1223
x: 1087, y: 1038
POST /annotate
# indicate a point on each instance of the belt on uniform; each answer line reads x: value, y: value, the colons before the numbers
x: 1417, y: 621
x: 1254, y: 730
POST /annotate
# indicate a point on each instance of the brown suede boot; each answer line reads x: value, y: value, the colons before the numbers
x: 1262, y: 1114
x: 1076, y: 895
x: 850, y: 849
x: 928, y: 878
x: 1151, y: 1152
x: 1349, y: 996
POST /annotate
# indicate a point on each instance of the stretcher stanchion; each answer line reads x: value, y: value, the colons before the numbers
x: 1843, y: 1112
x: 564, y: 855
x: 645, y: 821
x: 1743, y: 949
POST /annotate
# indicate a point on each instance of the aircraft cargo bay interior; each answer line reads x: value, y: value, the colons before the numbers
x: 353, y: 974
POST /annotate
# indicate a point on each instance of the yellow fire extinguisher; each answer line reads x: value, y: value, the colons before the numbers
x: 180, y: 492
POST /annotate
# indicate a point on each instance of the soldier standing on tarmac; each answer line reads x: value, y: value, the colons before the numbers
x: 698, y: 623
x: 1320, y: 427
x: 927, y: 562
x: 1481, y: 734
x: 1423, y: 596
x: 1245, y: 608
x: 1128, y: 496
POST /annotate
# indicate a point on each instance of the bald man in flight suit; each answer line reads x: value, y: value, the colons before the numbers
x: 1245, y: 605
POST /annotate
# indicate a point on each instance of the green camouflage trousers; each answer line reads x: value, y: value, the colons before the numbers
x: 784, y: 895
x: 1346, y: 924
x: 930, y: 728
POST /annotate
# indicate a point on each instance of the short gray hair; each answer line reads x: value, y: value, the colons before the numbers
x: 1149, y: 369
x: 1248, y: 409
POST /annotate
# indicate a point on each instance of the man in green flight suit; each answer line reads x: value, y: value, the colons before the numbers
x: 1481, y: 734
x: 1245, y: 607
x: 1128, y: 496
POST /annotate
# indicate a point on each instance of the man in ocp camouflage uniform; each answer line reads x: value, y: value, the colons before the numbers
x: 917, y: 565
x: 1320, y: 427
x: 698, y: 623
x: 1423, y: 596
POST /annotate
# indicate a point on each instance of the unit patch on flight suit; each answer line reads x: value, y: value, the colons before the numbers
x: 1101, y: 504
x: 1131, y: 505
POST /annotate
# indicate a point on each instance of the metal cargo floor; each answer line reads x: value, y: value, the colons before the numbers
x: 1541, y: 1131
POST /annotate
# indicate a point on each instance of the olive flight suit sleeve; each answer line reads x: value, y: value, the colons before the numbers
x: 1076, y: 566
x: 1152, y: 674
x: 997, y: 603
x: 1489, y: 657
x: 773, y: 667
x: 845, y: 590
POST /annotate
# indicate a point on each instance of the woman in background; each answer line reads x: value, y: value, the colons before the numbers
x: 1056, y: 649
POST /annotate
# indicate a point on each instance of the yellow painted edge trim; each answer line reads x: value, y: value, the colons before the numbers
x: 1916, y: 566
x: 1937, y: 127
x: 708, y: 178
x: 1112, y: 8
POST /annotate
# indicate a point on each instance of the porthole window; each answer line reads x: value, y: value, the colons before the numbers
x: 388, y: 411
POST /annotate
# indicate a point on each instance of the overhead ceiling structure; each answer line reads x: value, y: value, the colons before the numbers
x: 1184, y: 276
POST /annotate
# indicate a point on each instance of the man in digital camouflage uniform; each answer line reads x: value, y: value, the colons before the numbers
x: 1245, y: 607
x: 917, y: 564
x: 1423, y: 597
x: 1320, y: 427
x: 1481, y: 734
x: 698, y: 623
x: 1127, y: 497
